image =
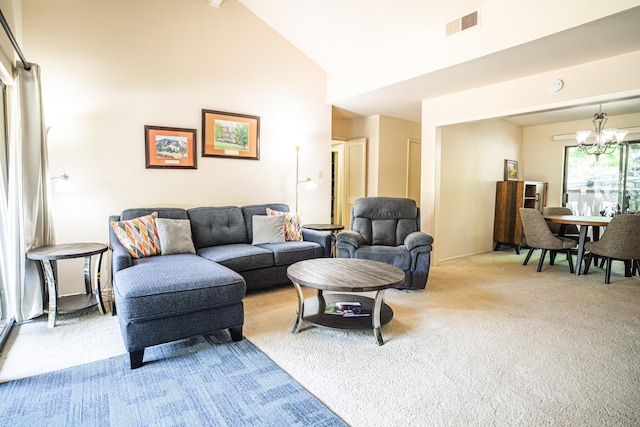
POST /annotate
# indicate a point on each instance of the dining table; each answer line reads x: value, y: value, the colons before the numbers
x: 583, y: 223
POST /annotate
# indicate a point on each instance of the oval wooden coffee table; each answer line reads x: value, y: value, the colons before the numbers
x: 344, y: 275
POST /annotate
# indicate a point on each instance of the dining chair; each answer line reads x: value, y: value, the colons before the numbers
x: 570, y: 230
x: 539, y: 236
x: 635, y: 265
x: 619, y: 242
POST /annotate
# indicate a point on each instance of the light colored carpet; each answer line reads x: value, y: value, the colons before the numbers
x: 490, y: 342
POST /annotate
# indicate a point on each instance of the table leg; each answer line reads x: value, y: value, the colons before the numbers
x: 377, y: 308
x: 52, y: 286
x: 300, y: 309
x: 98, y: 291
x: 581, y: 240
x: 87, y: 275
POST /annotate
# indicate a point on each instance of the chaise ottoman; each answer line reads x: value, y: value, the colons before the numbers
x: 171, y: 297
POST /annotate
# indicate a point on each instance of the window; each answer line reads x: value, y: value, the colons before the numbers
x: 611, y: 182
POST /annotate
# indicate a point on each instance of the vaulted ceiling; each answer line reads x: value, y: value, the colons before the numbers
x: 330, y: 31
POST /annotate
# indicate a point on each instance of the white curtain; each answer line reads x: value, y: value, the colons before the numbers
x: 29, y: 218
x: 4, y: 240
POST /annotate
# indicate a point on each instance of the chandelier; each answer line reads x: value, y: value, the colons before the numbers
x: 604, y: 142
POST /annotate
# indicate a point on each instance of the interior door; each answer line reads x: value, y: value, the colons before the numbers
x: 337, y: 182
x: 356, y: 175
x: 414, y: 150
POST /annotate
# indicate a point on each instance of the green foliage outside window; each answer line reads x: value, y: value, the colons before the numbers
x: 592, y: 184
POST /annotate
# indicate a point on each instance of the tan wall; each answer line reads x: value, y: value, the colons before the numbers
x: 386, y: 150
x: 544, y: 157
x: 340, y: 128
x: 472, y: 161
x: 12, y: 11
x: 369, y: 127
x: 110, y: 68
x: 617, y: 78
x: 394, y: 134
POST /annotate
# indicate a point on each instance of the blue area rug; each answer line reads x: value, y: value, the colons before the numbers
x: 202, y: 381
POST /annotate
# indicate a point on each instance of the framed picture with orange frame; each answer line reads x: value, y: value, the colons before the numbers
x: 170, y: 148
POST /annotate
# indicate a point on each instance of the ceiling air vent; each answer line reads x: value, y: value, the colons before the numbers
x: 461, y: 24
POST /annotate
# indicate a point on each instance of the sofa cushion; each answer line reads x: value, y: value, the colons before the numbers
x: 268, y: 229
x: 292, y: 225
x: 170, y: 285
x: 172, y: 213
x: 175, y: 236
x: 290, y: 252
x: 397, y: 256
x: 214, y: 226
x: 238, y: 257
x: 139, y: 235
x: 250, y: 210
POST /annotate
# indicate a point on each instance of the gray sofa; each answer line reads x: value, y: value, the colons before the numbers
x: 164, y: 298
x: 387, y: 229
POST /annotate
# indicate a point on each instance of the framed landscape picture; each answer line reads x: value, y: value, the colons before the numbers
x: 510, y: 170
x: 230, y: 135
x: 172, y: 148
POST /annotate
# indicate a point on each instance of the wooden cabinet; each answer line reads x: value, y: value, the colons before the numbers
x: 510, y: 197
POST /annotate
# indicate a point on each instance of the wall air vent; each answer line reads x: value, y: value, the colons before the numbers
x: 461, y: 24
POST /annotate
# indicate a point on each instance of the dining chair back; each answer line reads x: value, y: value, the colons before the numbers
x: 570, y: 230
x: 539, y: 236
x: 620, y: 241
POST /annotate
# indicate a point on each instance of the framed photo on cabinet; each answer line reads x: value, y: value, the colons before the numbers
x: 510, y: 170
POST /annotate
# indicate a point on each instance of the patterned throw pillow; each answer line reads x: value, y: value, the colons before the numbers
x: 292, y: 225
x: 139, y: 235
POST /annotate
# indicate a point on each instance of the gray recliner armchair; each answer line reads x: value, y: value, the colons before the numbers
x: 387, y: 229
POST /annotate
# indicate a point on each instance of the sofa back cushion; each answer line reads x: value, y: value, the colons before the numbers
x: 385, y: 221
x: 169, y: 213
x: 214, y: 226
x: 250, y: 210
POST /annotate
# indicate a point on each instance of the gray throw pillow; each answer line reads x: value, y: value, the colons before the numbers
x: 175, y: 236
x: 268, y: 229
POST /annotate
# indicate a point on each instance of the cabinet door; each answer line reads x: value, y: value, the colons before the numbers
x: 507, y: 227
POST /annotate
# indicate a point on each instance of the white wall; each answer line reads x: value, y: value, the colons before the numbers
x: 110, y: 68
x: 503, y: 24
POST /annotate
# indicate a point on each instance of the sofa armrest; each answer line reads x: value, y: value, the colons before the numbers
x: 321, y: 237
x: 120, y: 256
x: 416, y: 239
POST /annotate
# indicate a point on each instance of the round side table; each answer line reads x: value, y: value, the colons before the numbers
x: 331, y: 228
x: 48, y: 256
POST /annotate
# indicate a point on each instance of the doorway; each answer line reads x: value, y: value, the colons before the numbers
x: 349, y: 178
x: 414, y: 161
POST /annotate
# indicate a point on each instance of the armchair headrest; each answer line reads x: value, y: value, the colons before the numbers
x: 385, y: 208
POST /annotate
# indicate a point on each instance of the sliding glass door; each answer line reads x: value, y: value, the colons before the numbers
x: 610, y: 183
x: 6, y: 320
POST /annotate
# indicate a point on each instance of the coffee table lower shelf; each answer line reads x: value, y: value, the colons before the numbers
x: 313, y: 313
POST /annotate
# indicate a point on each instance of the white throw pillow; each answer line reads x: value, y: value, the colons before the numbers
x: 268, y: 229
x: 175, y: 236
